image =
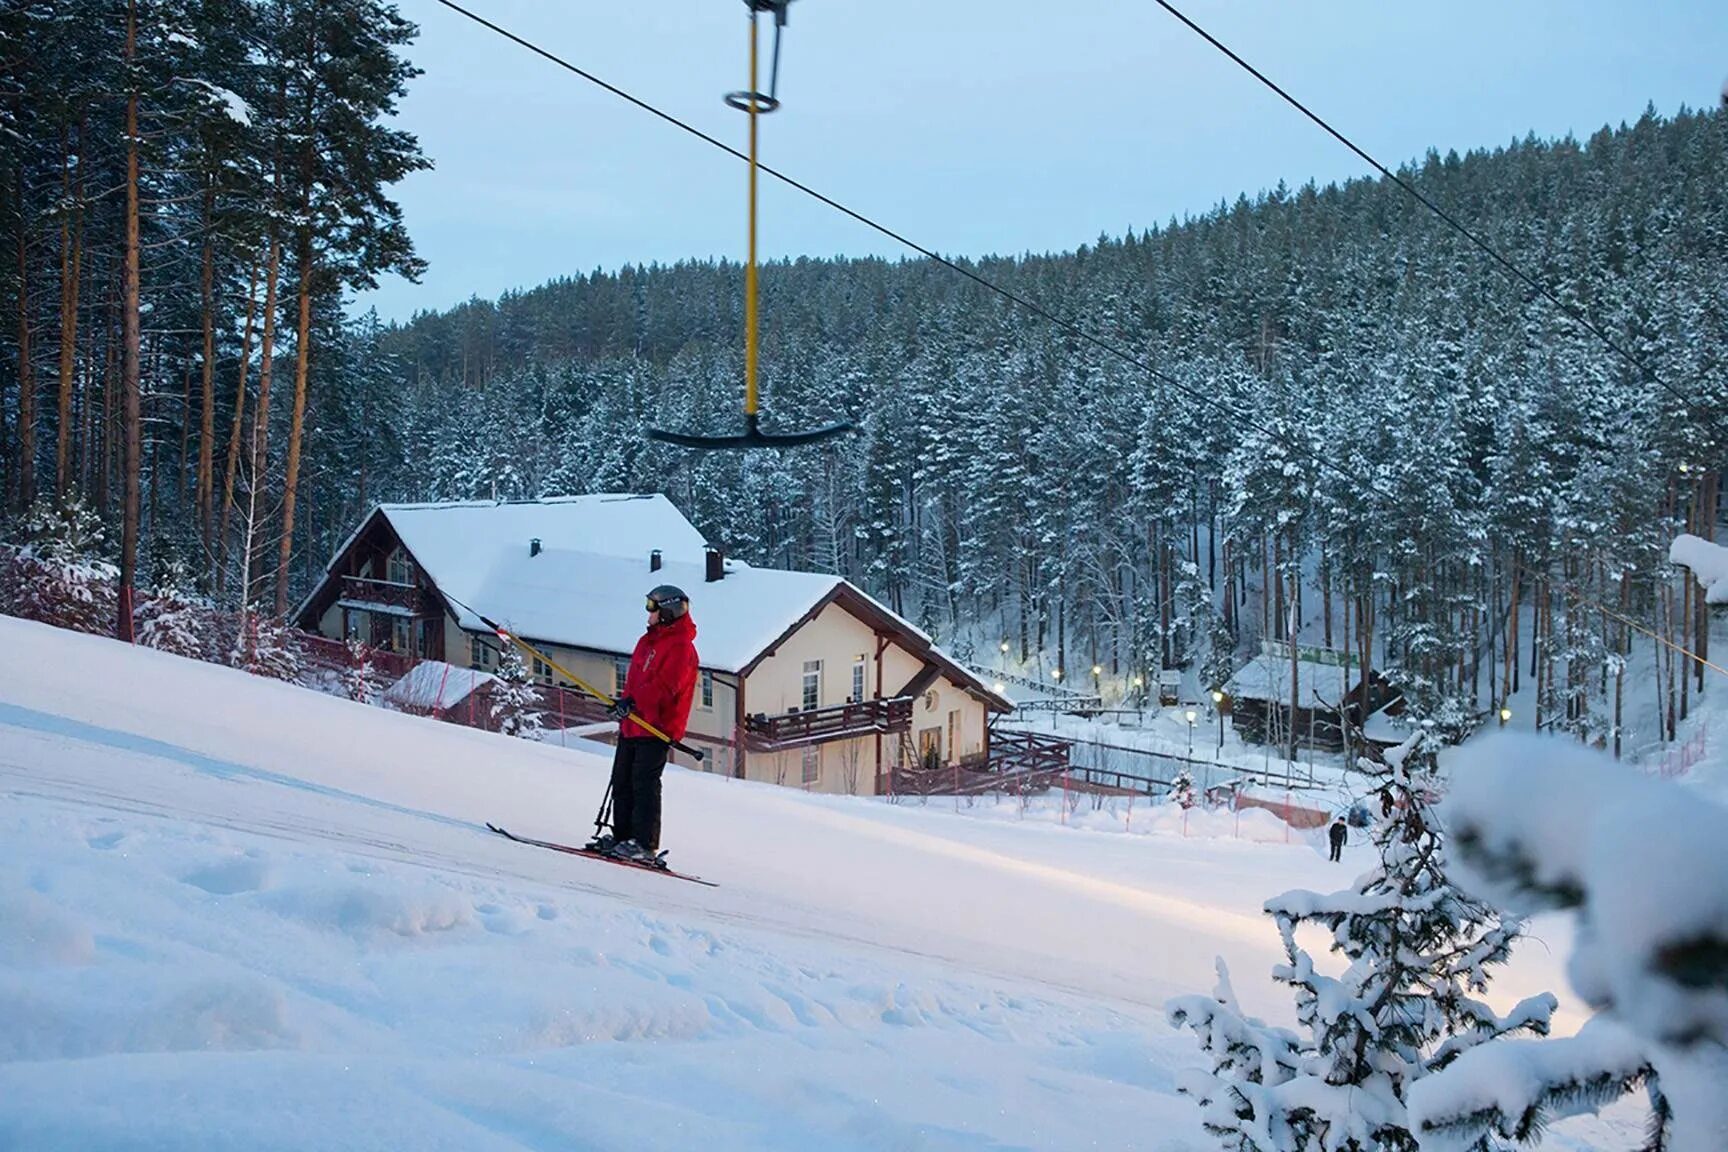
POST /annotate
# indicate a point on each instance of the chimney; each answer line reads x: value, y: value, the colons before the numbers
x: 534, y: 546
x: 716, y: 565
x: 654, y: 560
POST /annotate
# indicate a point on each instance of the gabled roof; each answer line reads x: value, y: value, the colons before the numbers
x: 1319, y: 684
x: 585, y: 586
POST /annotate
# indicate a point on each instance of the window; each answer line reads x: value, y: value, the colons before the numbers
x: 397, y: 569
x: 858, y: 680
x: 479, y: 652
x: 542, y: 671
x: 399, y: 635
x: 954, y: 733
x: 707, y: 689
x: 620, y: 673
x: 812, y: 764
x: 812, y: 685
x: 930, y: 747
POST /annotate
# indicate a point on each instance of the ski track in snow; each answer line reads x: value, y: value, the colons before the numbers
x: 238, y: 915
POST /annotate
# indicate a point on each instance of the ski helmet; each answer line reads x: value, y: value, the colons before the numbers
x: 669, y: 601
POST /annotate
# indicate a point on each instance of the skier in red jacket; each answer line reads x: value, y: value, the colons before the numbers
x: 659, y: 688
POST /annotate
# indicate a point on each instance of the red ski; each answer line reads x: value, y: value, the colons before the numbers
x: 658, y: 865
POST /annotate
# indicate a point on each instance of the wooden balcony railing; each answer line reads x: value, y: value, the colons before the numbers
x: 1018, y: 762
x: 409, y: 598
x: 765, y: 733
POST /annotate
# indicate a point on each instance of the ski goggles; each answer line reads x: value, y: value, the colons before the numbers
x: 655, y: 605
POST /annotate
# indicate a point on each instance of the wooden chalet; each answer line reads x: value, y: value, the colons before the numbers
x: 1316, y: 693
x: 805, y: 680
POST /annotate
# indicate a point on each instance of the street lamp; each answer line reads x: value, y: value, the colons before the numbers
x: 1218, y: 707
x: 1056, y: 674
x: 1191, y: 714
x: 1505, y: 715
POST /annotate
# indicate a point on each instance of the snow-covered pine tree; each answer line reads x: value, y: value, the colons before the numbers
x: 515, y: 702
x: 1419, y: 951
x: 174, y: 618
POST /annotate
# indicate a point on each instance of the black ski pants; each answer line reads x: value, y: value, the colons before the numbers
x: 636, y: 769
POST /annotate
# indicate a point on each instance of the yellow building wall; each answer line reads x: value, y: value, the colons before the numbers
x: 839, y: 640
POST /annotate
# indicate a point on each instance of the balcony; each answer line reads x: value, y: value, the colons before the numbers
x: 386, y: 597
x: 765, y: 733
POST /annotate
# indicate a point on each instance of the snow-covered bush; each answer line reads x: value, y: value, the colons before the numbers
x: 1543, y: 823
x: 61, y: 575
x: 266, y: 646
x: 1419, y: 950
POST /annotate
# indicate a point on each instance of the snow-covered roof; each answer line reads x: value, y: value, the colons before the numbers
x: 1267, y: 677
x: 433, y: 684
x: 581, y: 599
x: 452, y: 540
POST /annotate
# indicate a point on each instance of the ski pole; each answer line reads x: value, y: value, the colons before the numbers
x: 505, y: 634
x: 603, y: 818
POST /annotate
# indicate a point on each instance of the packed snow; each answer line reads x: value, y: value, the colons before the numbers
x: 235, y: 914
x: 1708, y: 562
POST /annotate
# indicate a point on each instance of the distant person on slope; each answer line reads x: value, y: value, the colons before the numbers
x: 659, y: 688
x: 1338, y: 833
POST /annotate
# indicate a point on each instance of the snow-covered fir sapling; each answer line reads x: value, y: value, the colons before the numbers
x: 361, y: 679
x: 515, y: 701
x: 1182, y: 788
x: 173, y: 617
x: 1419, y: 952
x: 1544, y: 824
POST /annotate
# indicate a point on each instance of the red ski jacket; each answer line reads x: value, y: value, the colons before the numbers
x: 662, y: 678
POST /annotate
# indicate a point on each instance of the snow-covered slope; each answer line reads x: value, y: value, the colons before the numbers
x: 236, y: 914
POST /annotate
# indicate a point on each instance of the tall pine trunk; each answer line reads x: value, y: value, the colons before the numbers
x: 71, y: 273
x: 291, y: 480
x: 233, y: 459
x: 207, y: 412
x: 129, y: 383
x: 261, y: 416
x: 26, y: 371
x: 1701, y: 613
x: 110, y: 390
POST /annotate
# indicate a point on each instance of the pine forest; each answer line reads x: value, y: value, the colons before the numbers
x: 1314, y: 414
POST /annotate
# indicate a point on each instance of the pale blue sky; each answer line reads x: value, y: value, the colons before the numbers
x: 973, y: 126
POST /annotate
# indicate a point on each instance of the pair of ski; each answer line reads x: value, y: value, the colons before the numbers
x: 655, y: 864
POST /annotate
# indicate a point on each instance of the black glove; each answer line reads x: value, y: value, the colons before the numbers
x: 621, y: 708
